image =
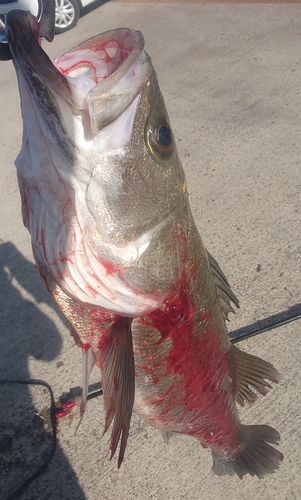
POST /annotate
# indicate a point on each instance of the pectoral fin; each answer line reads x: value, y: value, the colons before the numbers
x: 251, y: 374
x: 118, y: 382
x: 224, y: 292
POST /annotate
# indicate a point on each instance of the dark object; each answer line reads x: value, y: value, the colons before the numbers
x: 5, y: 54
x: 266, y: 324
x: 45, y: 464
x: 46, y: 19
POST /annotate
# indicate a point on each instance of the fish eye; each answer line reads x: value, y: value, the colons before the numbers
x: 160, y: 138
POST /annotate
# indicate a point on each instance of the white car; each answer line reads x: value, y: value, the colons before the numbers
x: 67, y: 12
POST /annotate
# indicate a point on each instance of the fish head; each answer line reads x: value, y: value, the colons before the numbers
x: 104, y: 192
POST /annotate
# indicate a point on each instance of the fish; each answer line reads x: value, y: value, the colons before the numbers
x: 105, y: 200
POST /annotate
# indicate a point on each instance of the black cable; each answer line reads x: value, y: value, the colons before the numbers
x: 42, y: 468
x: 280, y: 319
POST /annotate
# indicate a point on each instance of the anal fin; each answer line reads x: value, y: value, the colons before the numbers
x: 251, y: 374
x: 118, y: 382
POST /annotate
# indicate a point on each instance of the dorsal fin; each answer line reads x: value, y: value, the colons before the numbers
x: 224, y: 292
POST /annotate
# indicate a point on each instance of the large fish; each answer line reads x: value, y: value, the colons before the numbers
x: 104, y: 198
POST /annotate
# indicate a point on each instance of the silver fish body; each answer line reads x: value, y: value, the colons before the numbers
x: 104, y: 198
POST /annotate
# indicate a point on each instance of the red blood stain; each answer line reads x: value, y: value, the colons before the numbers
x: 99, y: 316
x: 83, y: 62
x: 65, y: 259
x: 120, y: 54
x: 206, y: 317
x: 109, y: 267
x: 91, y: 291
x: 65, y: 409
x: 197, y: 358
x: 84, y: 345
x: 175, y: 311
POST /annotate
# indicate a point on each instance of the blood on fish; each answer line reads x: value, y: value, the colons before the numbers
x: 100, y: 49
x: 85, y: 346
x: 175, y: 310
x: 201, y: 375
x: 93, y: 293
x: 110, y: 267
x: 80, y: 64
x: 65, y: 259
x: 206, y: 317
x: 100, y: 316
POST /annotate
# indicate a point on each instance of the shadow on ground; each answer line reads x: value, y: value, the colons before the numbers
x: 26, y: 331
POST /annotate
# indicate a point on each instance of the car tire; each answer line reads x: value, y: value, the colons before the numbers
x: 67, y: 14
x: 5, y: 54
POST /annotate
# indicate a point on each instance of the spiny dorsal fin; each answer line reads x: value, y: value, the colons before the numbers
x: 118, y: 382
x: 224, y: 292
x: 251, y: 374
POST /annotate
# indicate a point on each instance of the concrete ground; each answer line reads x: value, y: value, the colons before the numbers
x: 230, y: 75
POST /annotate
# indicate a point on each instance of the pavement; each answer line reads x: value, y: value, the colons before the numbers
x: 230, y: 75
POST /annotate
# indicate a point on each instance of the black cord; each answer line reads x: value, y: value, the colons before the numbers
x: 280, y: 319
x: 43, y: 467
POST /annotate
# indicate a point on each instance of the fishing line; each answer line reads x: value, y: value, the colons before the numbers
x: 58, y: 411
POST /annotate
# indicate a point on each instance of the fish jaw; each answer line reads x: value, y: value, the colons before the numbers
x: 102, y: 211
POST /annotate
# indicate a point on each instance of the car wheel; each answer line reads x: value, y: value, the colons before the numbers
x: 66, y: 15
x: 5, y: 54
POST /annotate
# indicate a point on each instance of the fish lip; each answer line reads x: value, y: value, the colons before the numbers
x: 23, y: 36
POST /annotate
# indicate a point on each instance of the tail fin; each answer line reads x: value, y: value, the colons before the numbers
x: 256, y: 457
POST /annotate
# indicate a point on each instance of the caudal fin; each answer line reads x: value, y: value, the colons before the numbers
x: 257, y: 457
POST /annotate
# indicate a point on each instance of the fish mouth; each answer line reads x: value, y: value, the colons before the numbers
x: 103, y: 74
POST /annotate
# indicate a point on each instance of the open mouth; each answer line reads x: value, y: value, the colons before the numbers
x: 98, y: 58
x: 110, y: 61
x: 103, y: 74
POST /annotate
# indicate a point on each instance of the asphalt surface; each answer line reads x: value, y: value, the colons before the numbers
x: 230, y: 75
